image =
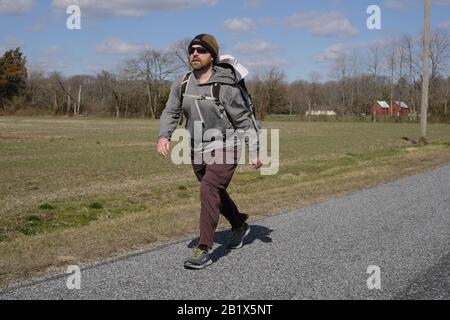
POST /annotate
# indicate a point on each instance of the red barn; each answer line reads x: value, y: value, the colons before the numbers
x: 380, y: 108
x: 400, y: 108
x: 396, y: 109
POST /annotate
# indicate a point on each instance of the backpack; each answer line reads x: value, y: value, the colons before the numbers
x: 247, y: 98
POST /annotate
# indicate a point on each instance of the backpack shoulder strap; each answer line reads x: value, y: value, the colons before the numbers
x: 247, y: 98
x: 215, y: 92
x: 184, y: 84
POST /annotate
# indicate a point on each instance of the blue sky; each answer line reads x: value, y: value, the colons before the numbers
x: 296, y: 36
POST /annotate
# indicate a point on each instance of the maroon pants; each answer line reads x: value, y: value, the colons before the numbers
x: 215, y: 200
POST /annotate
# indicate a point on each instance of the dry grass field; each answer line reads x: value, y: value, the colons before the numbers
x: 79, y: 190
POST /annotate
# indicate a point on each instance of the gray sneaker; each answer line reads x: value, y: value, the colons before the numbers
x: 200, y: 259
x: 238, y: 235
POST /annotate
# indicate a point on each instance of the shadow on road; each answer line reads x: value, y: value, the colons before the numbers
x: 221, y: 237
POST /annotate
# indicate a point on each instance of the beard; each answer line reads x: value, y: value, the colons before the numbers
x: 198, y: 65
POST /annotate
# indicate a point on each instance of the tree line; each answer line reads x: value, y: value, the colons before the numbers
x: 387, y: 70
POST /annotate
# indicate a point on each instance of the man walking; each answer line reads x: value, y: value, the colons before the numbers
x: 193, y: 95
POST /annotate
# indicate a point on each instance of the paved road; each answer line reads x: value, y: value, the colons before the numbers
x: 318, y: 252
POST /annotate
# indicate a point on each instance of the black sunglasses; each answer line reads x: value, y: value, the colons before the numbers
x: 200, y: 50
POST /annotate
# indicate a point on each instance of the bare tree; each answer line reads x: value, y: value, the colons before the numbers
x: 374, y: 62
x: 77, y: 111
x: 298, y: 96
x: 447, y: 96
x: 373, y: 69
x: 180, y: 50
x: 270, y: 94
x: 391, y: 62
x: 439, y: 57
x: 355, y: 61
x: 439, y: 51
x: 141, y: 85
x: 110, y: 82
x: 425, y: 81
x: 35, y: 85
x: 408, y: 44
x: 153, y: 67
x: 313, y: 97
x: 401, y: 83
x: 340, y: 71
x: 56, y: 79
x: 67, y: 91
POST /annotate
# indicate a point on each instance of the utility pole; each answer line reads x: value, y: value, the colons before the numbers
x: 426, y: 76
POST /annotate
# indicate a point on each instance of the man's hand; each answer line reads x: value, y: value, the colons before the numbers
x: 163, y: 147
x: 256, y: 163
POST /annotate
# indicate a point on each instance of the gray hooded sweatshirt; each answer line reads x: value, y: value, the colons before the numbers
x: 206, y: 111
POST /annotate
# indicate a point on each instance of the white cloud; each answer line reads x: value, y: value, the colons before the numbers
x: 253, y: 4
x: 53, y: 58
x: 259, y: 55
x: 267, y: 63
x: 55, y: 49
x: 444, y: 25
x: 129, y: 8
x: 117, y: 46
x: 320, y: 24
x: 337, y: 50
x: 394, y: 4
x: 253, y: 47
x: 333, y: 52
x: 94, y: 69
x: 16, y: 6
x: 243, y: 25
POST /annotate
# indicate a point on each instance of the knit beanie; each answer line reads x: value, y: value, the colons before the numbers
x: 208, y: 42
